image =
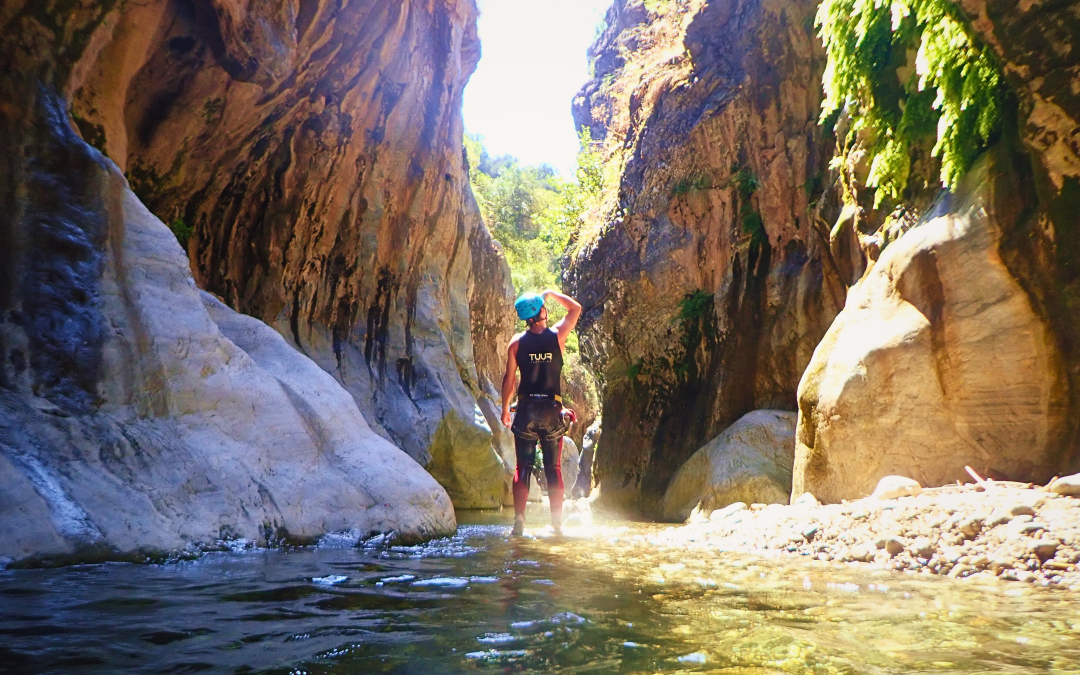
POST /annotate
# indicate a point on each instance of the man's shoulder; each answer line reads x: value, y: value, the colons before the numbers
x: 516, y: 339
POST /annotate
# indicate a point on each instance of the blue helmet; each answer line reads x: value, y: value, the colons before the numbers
x: 528, y: 306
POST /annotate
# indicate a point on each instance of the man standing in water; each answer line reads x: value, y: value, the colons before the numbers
x: 538, y: 354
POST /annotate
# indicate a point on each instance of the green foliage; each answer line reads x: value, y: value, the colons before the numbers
x: 533, y: 212
x: 698, y: 180
x: 211, y: 109
x: 694, y: 307
x: 182, y: 231
x: 955, y: 89
x: 746, y: 185
x: 695, y: 320
x: 744, y: 182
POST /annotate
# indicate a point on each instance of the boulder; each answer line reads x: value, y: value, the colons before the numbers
x: 583, y: 486
x: 937, y: 361
x: 571, y: 457
x: 150, y: 416
x: 1066, y: 485
x: 891, y: 487
x: 571, y: 463
x: 465, y: 462
x: 749, y: 462
x: 311, y: 160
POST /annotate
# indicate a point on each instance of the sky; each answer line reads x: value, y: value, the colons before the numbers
x: 533, y: 62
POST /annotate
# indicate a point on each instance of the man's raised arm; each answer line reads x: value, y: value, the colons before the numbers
x: 568, y: 322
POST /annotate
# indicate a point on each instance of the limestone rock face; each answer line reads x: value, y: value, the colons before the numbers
x: 707, y: 279
x: 938, y: 360
x: 136, y: 414
x: 749, y: 462
x: 1036, y: 44
x: 315, y: 150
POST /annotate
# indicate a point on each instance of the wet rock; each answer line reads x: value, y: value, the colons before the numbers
x: 960, y: 570
x: 749, y: 462
x: 571, y: 460
x: 891, y: 487
x: 583, y: 486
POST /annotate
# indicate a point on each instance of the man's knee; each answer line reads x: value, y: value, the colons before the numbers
x: 554, y: 476
x: 523, y: 472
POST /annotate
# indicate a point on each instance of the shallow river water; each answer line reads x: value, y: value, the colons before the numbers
x: 608, y: 598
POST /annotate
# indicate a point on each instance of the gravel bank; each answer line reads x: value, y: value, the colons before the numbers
x: 1006, y: 530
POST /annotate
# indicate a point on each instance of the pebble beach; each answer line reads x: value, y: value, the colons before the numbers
x: 1011, y: 531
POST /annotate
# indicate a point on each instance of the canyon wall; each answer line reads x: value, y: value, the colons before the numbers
x: 721, y: 254
x: 311, y: 153
x: 960, y: 346
x: 708, y: 277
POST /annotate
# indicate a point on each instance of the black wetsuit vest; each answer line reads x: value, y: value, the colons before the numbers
x: 539, y: 358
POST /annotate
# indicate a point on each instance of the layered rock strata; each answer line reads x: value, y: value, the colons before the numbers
x: 314, y: 151
x: 707, y: 277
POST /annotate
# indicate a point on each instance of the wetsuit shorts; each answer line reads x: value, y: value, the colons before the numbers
x: 539, y: 417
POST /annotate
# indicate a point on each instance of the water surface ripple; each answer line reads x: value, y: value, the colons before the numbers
x: 616, y: 598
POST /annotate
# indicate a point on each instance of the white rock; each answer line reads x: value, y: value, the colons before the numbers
x: 209, y: 426
x: 1066, y: 485
x: 862, y: 552
x: 891, y: 487
x: 806, y: 499
x: 730, y: 509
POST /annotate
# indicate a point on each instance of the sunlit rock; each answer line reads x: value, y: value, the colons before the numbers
x: 891, y: 487
x: 310, y: 156
x: 749, y: 462
x: 1066, y: 485
x: 938, y: 361
x: 194, y: 423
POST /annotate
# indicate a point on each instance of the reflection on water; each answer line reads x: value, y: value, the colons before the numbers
x: 614, y: 598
